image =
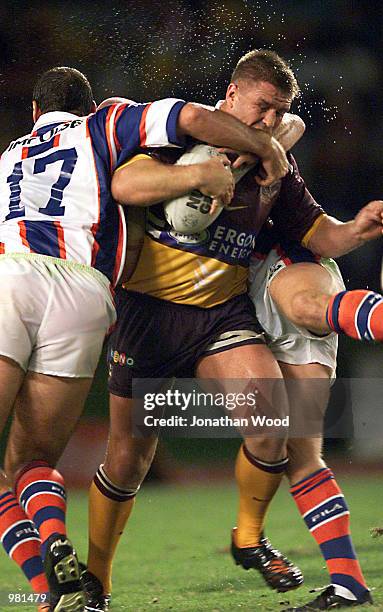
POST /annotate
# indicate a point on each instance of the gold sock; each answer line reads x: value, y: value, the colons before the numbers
x: 258, y: 482
x: 108, y: 516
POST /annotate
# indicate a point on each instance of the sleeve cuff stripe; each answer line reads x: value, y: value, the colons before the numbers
x: 308, y: 235
x: 132, y: 160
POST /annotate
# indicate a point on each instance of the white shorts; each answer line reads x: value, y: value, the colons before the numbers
x: 288, y: 342
x: 54, y: 314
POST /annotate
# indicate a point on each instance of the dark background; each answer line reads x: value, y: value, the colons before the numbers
x: 146, y: 50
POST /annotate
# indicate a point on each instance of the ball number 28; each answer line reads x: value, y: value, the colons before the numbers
x: 53, y: 207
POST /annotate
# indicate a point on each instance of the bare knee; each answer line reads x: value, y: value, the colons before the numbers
x: 308, y: 310
x: 128, y: 461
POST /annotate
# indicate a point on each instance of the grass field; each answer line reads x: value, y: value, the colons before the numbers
x: 175, y: 556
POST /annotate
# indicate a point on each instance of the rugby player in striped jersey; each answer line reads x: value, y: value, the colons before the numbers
x: 62, y: 251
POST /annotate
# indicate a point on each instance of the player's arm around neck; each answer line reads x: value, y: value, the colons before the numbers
x: 333, y: 238
x: 223, y: 130
x: 145, y: 181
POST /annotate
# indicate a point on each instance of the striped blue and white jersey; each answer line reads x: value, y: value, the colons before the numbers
x: 55, y: 195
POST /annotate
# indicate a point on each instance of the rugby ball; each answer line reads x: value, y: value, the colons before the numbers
x: 189, y: 214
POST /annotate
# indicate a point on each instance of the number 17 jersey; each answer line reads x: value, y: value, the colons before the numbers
x: 55, y: 197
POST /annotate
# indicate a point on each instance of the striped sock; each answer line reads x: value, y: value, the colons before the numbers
x: 21, y: 541
x: 323, y: 507
x: 41, y: 492
x: 358, y: 314
x: 109, y: 509
x: 258, y: 482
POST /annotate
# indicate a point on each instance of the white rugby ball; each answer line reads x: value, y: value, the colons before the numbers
x: 189, y: 214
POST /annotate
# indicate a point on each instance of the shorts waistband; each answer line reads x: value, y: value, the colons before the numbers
x: 65, y: 263
x: 160, y: 303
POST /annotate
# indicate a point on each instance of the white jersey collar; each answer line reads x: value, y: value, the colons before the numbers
x: 54, y: 117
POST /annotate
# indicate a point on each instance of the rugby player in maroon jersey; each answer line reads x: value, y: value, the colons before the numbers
x: 216, y: 333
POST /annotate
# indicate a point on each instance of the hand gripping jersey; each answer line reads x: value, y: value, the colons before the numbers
x: 209, y: 268
x: 55, y: 195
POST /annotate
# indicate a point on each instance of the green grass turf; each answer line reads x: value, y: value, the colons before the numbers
x: 174, y: 555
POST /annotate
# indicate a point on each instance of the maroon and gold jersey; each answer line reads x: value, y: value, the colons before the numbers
x: 211, y: 267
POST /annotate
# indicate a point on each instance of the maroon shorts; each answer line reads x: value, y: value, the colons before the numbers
x: 159, y: 339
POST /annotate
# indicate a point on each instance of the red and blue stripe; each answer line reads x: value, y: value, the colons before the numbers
x: 325, y: 512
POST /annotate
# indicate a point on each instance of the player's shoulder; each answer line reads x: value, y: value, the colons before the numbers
x: 293, y: 175
x: 112, y: 106
x: 20, y: 141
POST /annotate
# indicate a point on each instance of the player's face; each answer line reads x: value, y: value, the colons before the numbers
x: 258, y: 104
